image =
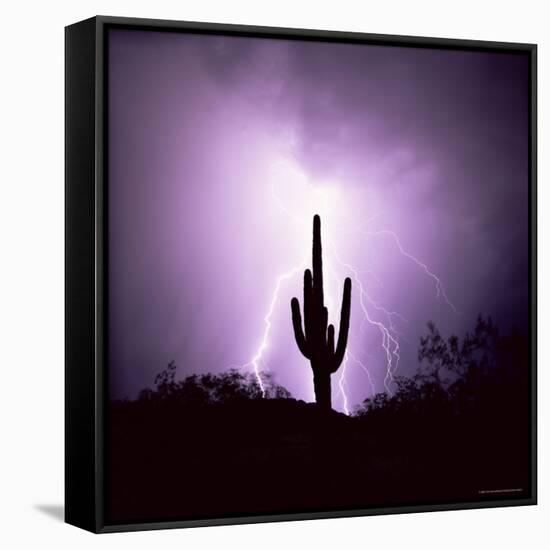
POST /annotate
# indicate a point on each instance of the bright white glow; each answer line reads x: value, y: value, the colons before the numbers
x: 300, y: 198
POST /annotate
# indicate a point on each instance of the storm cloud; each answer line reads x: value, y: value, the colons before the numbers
x: 429, y: 146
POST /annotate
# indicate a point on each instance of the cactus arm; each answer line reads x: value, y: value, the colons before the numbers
x: 323, y: 327
x: 344, y: 325
x: 297, y: 324
x: 330, y: 340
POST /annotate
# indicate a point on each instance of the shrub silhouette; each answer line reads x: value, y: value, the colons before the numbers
x: 316, y: 340
x: 459, y: 376
x: 204, y: 389
x: 208, y: 445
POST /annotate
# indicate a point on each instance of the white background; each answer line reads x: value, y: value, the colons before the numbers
x: 31, y: 273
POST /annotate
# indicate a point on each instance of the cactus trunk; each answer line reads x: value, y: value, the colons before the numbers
x: 322, y: 388
x: 316, y: 338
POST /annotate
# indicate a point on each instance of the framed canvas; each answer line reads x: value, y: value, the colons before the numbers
x: 300, y: 274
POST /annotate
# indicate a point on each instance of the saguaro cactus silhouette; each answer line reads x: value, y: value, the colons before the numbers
x: 316, y: 340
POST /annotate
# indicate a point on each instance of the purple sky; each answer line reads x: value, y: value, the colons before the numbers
x: 222, y: 148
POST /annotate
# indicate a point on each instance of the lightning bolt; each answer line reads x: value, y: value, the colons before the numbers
x: 262, y: 347
x: 342, y: 384
x: 440, y: 290
x: 389, y: 314
x: 365, y: 370
x: 390, y: 343
x: 342, y: 380
x: 388, y: 340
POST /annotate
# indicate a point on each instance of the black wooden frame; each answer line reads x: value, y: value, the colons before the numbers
x: 86, y: 253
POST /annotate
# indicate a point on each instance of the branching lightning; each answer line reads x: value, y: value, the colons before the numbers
x: 440, y: 290
x: 388, y: 340
x: 258, y: 356
x: 342, y: 384
x: 365, y: 370
x: 342, y: 379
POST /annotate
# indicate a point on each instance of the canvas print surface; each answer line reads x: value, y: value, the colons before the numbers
x: 317, y: 276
